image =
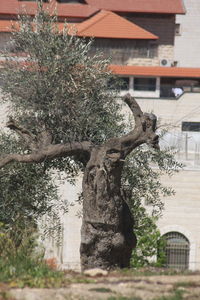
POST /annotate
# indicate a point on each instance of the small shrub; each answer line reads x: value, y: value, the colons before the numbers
x: 21, y: 264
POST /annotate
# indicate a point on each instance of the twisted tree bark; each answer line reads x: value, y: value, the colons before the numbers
x: 107, y: 229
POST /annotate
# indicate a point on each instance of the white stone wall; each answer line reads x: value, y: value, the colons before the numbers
x: 187, y: 44
x: 67, y: 253
x: 182, y: 211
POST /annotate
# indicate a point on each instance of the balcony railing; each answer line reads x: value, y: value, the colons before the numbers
x: 171, y: 91
x: 164, y: 90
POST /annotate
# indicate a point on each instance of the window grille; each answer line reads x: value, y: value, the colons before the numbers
x: 191, y: 126
x: 177, y: 250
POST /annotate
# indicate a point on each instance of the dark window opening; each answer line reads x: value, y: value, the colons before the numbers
x: 144, y: 84
x: 124, y: 83
x: 152, y: 50
x: 177, y: 29
x: 190, y: 126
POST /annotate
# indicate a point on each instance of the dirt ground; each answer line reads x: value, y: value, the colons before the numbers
x: 117, y: 287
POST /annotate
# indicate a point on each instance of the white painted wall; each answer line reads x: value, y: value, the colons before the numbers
x: 187, y: 45
x: 67, y: 254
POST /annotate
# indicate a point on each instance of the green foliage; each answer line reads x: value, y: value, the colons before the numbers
x: 28, y: 192
x: 144, y: 190
x: 148, y: 236
x: 20, y: 264
x: 60, y: 87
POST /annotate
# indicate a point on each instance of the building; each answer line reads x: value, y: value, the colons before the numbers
x: 149, y: 42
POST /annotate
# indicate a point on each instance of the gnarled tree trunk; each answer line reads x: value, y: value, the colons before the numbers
x: 107, y: 237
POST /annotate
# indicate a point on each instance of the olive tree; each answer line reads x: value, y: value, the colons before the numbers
x: 63, y: 113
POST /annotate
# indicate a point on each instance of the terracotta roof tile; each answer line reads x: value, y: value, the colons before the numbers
x: 7, y: 26
x: 106, y: 24
x: 103, y: 25
x: 156, y: 71
x: 141, y: 6
x: 14, y: 7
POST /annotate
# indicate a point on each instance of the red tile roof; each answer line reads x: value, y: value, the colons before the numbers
x: 141, y: 6
x: 14, y: 7
x: 106, y: 24
x: 7, y: 25
x: 103, y: 25
x: 156, y: 71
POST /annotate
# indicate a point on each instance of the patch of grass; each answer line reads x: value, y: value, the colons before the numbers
x: 31, y: 274
x: 102, y: 290
x: 22, y: 265
x: 124, y: 298
x: 178, y: 295
x: 79, y: 279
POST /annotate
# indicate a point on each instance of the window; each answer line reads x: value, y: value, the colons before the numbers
x: 145, y: 84
x: 190, y: 126
x: 177, y: 29
x: 177, y: 250
x: 124, y: 83
x: 152, y: 50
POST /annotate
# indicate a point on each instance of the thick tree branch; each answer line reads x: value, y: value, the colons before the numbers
x: 41, y: 147
x: 49, y: 152
x: 134, y: 107
x: 143, y: 132
x: 26, y: 135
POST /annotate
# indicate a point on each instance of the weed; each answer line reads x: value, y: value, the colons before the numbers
x: 101, y: 290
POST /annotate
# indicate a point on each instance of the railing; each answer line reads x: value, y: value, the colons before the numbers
x: 172, y: 91
x: 166, y: 91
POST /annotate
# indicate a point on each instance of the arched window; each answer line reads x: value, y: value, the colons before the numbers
x: 177, y: 250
